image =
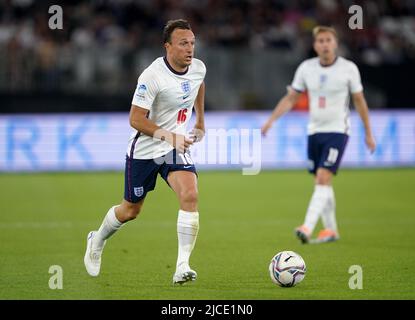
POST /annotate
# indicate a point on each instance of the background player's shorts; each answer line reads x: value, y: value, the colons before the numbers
x: 325, y: 150
x: 141, y: 175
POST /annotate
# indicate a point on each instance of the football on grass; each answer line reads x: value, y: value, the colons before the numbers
x: 287, y: 268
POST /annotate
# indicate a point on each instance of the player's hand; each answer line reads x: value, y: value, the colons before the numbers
x: 370, y: 143
x: 181, y: 143
x: 196, y: 135
x: 265, y: 128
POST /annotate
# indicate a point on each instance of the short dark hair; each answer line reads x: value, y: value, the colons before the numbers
x: 172, y: 25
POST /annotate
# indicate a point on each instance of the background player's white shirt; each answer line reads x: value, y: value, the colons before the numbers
x: 329, y: 91
x: 169, y: 97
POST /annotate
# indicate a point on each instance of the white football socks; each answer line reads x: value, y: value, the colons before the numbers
x: 317, y: 205
x: 329, y: 214
x: 109, y: 226
x: 187, y: 229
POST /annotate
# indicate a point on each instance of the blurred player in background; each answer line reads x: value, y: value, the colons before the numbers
x: 161, y: 108
x: 329, y: 80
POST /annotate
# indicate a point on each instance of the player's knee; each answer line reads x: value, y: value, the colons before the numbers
x: 189, y: 196
x: 323, y: 177
x: 130, y: 212
x: 322, y: 180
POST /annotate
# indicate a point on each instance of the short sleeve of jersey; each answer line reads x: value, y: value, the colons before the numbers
x: 355, y: 83
x: 146, y: 91
x: 298, y: 83
x: 203, y: 67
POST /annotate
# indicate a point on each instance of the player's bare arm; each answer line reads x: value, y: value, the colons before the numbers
x: 198, y: 131
x: 283, y: 106
x: 363, y: 110
x: 140, y: 122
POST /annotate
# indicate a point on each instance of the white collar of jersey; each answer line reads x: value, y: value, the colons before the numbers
x: 172, y: 70
x: 328, y: 65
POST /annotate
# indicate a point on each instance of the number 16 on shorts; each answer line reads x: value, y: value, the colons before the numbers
x: 186, y: 159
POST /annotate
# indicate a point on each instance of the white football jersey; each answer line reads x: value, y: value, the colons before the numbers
x: 329, y: 89
x: 169, y: 97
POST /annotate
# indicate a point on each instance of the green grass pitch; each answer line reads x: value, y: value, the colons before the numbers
x: 244, y: 221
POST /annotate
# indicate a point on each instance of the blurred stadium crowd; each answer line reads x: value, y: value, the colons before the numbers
x: 106, y: 35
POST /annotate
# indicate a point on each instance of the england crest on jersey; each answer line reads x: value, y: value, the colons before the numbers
x: 323, y: 79
x: 138, y: 191
x: 185, y: 88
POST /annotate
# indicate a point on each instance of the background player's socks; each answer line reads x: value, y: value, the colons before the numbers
x: 317, y: 205
x: 329, y: 214
x: 187, y: 229
x: 109, y: 226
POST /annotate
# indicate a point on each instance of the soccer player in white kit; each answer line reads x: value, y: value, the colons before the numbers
x: 329, y: 81
x: 161, y: 108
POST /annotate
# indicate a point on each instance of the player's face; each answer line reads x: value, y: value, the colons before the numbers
x: 325, y: 45
x: 181, y: 48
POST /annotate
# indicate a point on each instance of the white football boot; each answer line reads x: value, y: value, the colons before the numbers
x: 184, y: 274
x: 92, y: 257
